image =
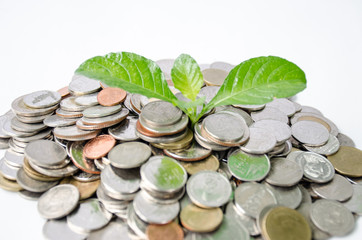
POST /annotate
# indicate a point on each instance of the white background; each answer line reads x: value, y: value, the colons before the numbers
x: 43, y: 42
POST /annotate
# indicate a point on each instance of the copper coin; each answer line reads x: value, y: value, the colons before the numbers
x: 164, y: 232
x: 111, y: 96
x: 99, y: 147
x: 79, y: 160
x: 64, y: 92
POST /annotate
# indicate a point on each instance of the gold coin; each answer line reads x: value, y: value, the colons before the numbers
x: 282, y: 223
x: 201, y: 220
x: 8, y: 185
x: 348, y: 161
x: 86, y: 189
x: 211, y: 163
x: 183, y: 143
x: 36, y: 175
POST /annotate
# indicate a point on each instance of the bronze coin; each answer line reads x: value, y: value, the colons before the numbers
x: 164, y: 232
x: 64, y: 92
x: 99, y: 147
x: 111, y: 96
x: 79, y: 160
x: 347, y: 161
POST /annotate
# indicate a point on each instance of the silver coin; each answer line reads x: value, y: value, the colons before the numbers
x: 329, y: 148
x: 208, y: 189
x: 58, y: 201
x: 8, y: 171
x: 280, y: 130
x: 306, y: 198
x: 135, y: 223
x: 89, y: 216
x: 72, y: 133
x: 42, y: 99
x: 290, y: 197
x: 99, y: 164
x: 249, y: 121
x: 65, y: 171
x: 69, y: 114
x: 279, y: 149
x: 109, y: 201
x: 175, y: 128
x: 284, y: 172
x: 208, y: 92
x: 57, y: 121
x: 316, y: 167
x: 59, y: 230
x: 30, y: 195
x: 37, y: 119
x: 245, y: 220
x: 116, y: 230
x: 224, y: 169
x: 283, y: 105
x: 15, y: 148
x: 160, y: 197
x: 332, y: 217
x: 222, y: 65
x: 45, y: 153
x: 193, y: 153
x: 101, y: 111
x: 160, y: 113
x: 297, y: 106
x: 45, y: 134
x: 205, y: 142
x: 270, y: 113
x: 344, y: 140
x: 85, y: 177
x: 69, y: 104
x: 354, y: 204
x: 261, y: 141
x: 164, y: 139
x: 339, y: 189
x: 114, y: 118
x: 26, y: 127
x: 127, y: 103
x: 33, y: 185
x: 82, y: 85
x: 87, y: 100
x: 126, y: 130
x: 155, y: 213
x: 308, y: 109
x: 158, y: 168
x: 4, y: 143
x: 310, y: 133
x: 7, y: 129
x: 3, y: 119
x: 251, y: 198
x: 287, y: 148
x: 250, y: 107
x: 20, y: 108
x: 263, y: 213
x: 136, y: 102
x: 13, y: 158
x: 129, y: 155
x: 214, y: 77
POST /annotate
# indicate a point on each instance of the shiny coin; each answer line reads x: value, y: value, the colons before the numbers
x: 193, y: 153
x: 99, y: 147
x: 339, y: 189
x: 114, y: 230
x: 165, y: 232
x: 72, y: 133
x: 45, y: 153
x: 86, y: 189
x: 68, y: 114
x: 250, y: 107
x: 85, y: 177
x: 13, y: 158
x: 284, y: 105
x: 137, y: 225
x: 344, y: 140
x: 270, y: 113
x: 167, y: 130
x: 347, y: 161
x: 108, y: 120
x: 214, y: 77
x: 82, y: 85
x: 332, y: 217
x: 158, y: 168
x: 248, y: 167
x: 3, y: 119
x: 87, y: 100
x: 36, y: 175
x: 37, y: 119
x: 89, y: 216
x: 65, y: 171
x: 316, y: 167
x: 57, y: 121
x: 79, y: 160
x: 32, y: 196
x: 40, y: 135
x: 160, y: 113
x: 287, y: 196
x: 20, y: 108
x: 42, y: 99
x: 7, y: 170
x: 280, y: 130
x: 26, y: 127
x: 251, y: 198
x: 9, y: 185
x: 208, y: 189
x: 211, y: 163
x: 135, y: 102
x: 261, y: 141
x: 58, y: 202
x: 206, y: 143
x: 222, y: 65
x: 33, y: 185
x: 69, y: 104
x: 250, y: 224
x: 201, y: 220
x: 109, y: 201
x: 129, y: 155
x: 354, y: 204
x: 310, y: 133
x: 64, y: 92
x: 329, y: 148
x: 126, y: 130
x: 111, y: 96
x: 332, y: 128
x: 294, y: 226
x: 179, y: 140
x: 101, y: 111
x: 146, y: 210
x: 284, y: 172
x: 7, y: 129
x: 59, y: 230
x: 236, y: 110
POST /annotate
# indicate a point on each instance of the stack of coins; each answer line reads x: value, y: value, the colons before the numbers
x: 111, y: 163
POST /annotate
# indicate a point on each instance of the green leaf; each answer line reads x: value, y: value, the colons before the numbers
x: 131, y: 72
x: 258, y: 81
x: 186, y: 76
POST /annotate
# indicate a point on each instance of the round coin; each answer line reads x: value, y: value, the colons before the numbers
x: 339, y: 189
x: 57, y: 121
x: 33, y: 185
x: 344, y: 140
x: 42, y: 99
x: 86, y: 189
x: 214, y: 77
x: 114, y: 230
x: 72, y: 133
x: 126, y: 130
x: 270, y: 113
x: 111, y: 96
x: 20, y: 108
x: 101, y: 111
x: 211, y: 163
x: 284, y: 173
x: 9, y: 185
x: 7, y: 170
x: 261, y: 141
x: 129, y: 155
x: 26, y: 127
x: 165, y: 232
x: 69, y: 104
x: 284, y: 105
x: 310, y: 133
x: 13, y: 158
x: 82, y: 85
x: 354, y: 204
x: 193, y: 153
x: 59, y: 230
x: 287, y: 196
x: 87, y: 100
x: 347, y: 161
x: 99, y: 147
x: 45, y: 153
x: 79, y: 160
x: 160, y: 113
x: 280, y: 130
x: 329, y: 148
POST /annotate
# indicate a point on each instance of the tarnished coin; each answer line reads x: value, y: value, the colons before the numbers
x: 251, y: 198
x: 116, y: 230
x: 332, y: 217
x: 165, y: 232
x: 126, y: 130
x: 160, y: 113
x: 248, y: 167
x: 284, y: 172
x: 101, y: 111
x: 208, y: 189
x: 261, y: 141
x: 146, y: 210
x: 99, y: 147
x: 58, y: 202
x: 339, y: 189
x: 26, y: 127
x: 270, y: 113
x: 129, y: 155
x: 89, y: 216
x: 86, y: 189
x: 354, y: 204
x: 316, y: 167
x: 344, y: 140
x: 7, y: 170
x: 57, y: 121
x: 193, y: 153
x: 33, y: 185
x: 20, y: 108
x: 79, y: 160
x: 69, y: 104
x: 82, y: 85
x: 214, y: 77
x: 45, y: 153
x: 347, y: 161
x: 59, y: 230
x: 211, y: 163
x: 13, y: 158
x: 201, y: 220
x: 42, y: 99
x: 310, y: 133
x: 280, y: 130
x: 284, y: 105
x: 287, y: 196
x: 329, y: 148
x: 9, y: 185
x: 87, y: 100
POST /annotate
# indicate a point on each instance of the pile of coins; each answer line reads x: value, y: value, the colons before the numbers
x: 114, y: 165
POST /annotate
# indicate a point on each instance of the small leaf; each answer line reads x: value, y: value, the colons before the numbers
x: 186, y: 76
x: 131, y: 72
x: 258, y: 81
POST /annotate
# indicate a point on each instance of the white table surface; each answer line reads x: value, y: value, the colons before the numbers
x: 43, y: 42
